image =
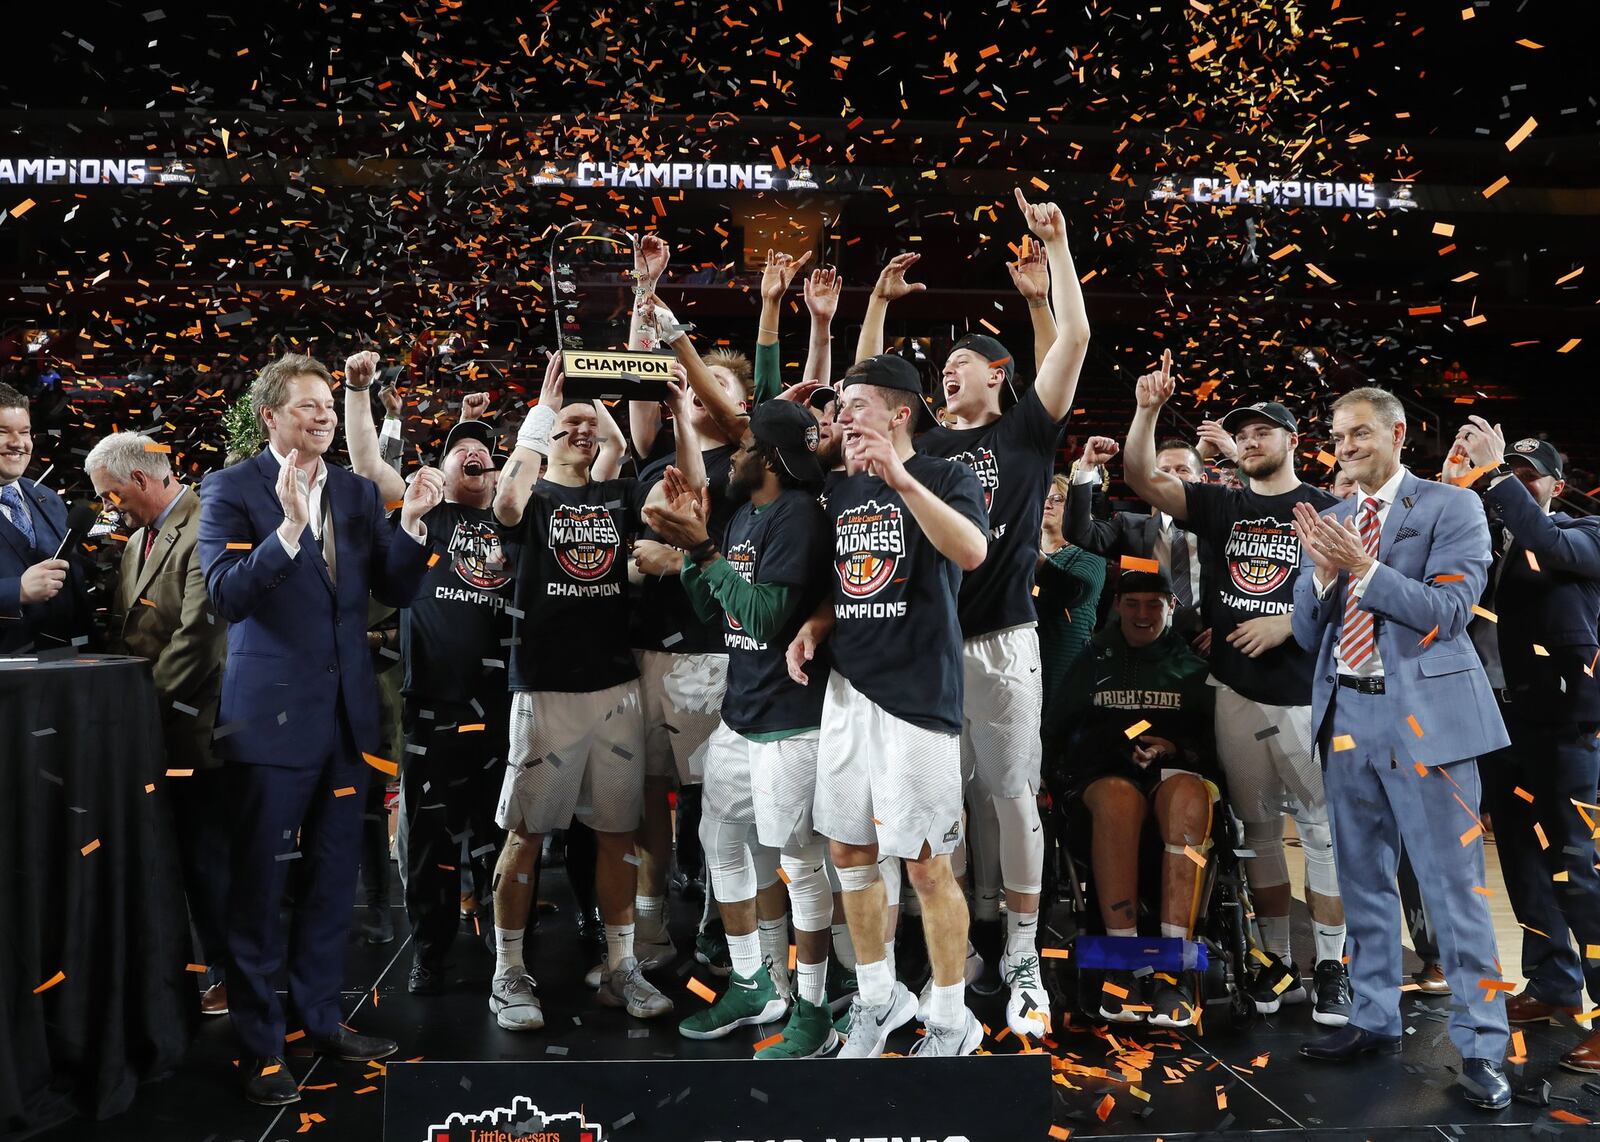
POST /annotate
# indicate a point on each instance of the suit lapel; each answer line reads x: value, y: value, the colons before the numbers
x: 1405, y: 501
x: 180, y: 518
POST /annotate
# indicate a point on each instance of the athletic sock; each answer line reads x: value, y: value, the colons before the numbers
x: 508, y: 952
x: 888, y: 955
x: 1174, y: 932
x: 876, y: 982
x: 985, y: 906
x: 650, y: 918
x: 775, y: 941
x: 945, y: 1005
x: 1275, y: 934
x: 812, y: 982
x: 619, y: 944
x: 705, y: 909
x: 1022, y: 934
x: 745, y: 951
x: 844, y: 948
x: 1330, y: 941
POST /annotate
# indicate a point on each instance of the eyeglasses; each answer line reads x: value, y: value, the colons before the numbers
x: 1055, y: 498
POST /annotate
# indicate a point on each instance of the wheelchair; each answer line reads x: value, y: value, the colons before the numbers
x: 1222, y: 924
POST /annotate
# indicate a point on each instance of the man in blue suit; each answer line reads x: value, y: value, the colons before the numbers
x: 1403, y: 710
x: 42, y: 600
x: 292, y: 547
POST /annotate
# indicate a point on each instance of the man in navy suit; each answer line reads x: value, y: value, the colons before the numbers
x: 292, y: 547
x: 1402, y: 710
x: 42, y: 601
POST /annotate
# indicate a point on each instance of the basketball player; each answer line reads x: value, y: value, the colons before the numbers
x: 762, y: 762
x: 577, y: 729
x: 1012, y: 454
x: 889, y: 761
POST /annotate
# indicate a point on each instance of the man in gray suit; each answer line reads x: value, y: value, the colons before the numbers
x: 1403, y: 709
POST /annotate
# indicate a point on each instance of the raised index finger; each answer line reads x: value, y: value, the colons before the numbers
x: 1166, y: 365
x: 1022, y: 199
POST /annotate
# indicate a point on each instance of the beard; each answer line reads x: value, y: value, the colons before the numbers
x: 739, y: 486
x: 1264, y: 466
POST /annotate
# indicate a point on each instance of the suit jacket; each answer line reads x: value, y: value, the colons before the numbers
x: 161, y: 612
x: 39, y: 625
x: 1551, y: 602
x: 1433, y: 560
x: 297, y: 643
x: 1128, y: 533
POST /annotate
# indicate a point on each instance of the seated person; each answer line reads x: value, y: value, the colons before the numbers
x: 1144, y: 748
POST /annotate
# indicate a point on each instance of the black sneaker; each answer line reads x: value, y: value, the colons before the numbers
x: 378, y: 926
x: 1332, y: 985
x: 1120, y: 992
x: 1171, y: 1005
x: 1275, y: 984
x: 425, y: 980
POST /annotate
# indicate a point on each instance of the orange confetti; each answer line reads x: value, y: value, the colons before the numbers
x: 1538, y: 831
x: 90, y: 847
x: 347, y: 791
x: 1570, y: 345
x: 1482, y: 613
x: 1060, y: 1133
x: 240, y: 546
x: 1496, y: 186
x: 1103, y: 1111
x: 1429, y: 637
x: 381, y: 765
x: 1343, y: 742
x: 702, y: 990
x: 769, y: 1041
x: 1133, y: 563
x: 1521, y: 133
x: 1054, y: 953
x: 1136, y: 729
x: 1416, y: 728
x: 23, y: 207
x: 51, y: 982
x: 476, y: 727
x: 1471, y: 834
x: 154, y: 447
x: 1112, y: 989
x: 1524, y: 794
x: 392, y: 504
x: 1194, y: 856
x: 1202, y: 51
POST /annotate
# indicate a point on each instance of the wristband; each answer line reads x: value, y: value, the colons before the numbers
x: 534, y: 434
x: 667, y: 328
x: 704, y: 551
x: 357, y: 388
x: 1038, y: 303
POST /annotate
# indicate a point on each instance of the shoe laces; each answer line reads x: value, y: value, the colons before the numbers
x: 1023, y: 972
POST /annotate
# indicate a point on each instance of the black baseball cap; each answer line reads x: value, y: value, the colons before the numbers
x: 887, y: 371
x: 789, y: 429
x: 823, y: 397
x: 1267, y: 410
x: 479, y: 430
x: 1137, y: 582
x: 1541, y: 454
x: 998, y: 356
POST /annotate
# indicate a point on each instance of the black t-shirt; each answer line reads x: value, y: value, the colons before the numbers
x: 662, y: 616
x: 896, y: 635
x: 1013, y: 458
x: 453, y: 635
x: 571, y: 629
x: 785, y: 542
x: 1252, y: 558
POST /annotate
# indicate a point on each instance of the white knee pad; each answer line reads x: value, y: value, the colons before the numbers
x: 1021, y: 843
x: 810, y: 895
x: 858, y: 878
x: 1316, y: 838
x: 892, y: 872
x: 984, y: 842
x: 1268, y: 868
x: 729, y: 859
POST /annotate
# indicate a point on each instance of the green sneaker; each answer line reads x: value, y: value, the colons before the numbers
x: 841, y: 986
x: 748, y: 1001
x: 711, y: 950
x: 807, y: 1035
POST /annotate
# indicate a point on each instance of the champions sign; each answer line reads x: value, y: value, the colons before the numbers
x: 610, y: 365
x: 1223, y: 191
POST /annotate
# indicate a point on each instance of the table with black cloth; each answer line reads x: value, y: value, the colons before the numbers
x: 95, y: 996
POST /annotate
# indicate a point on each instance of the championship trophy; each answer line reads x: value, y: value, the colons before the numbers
x: 593, y: 289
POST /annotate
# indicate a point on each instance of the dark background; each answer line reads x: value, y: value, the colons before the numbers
x: 374, y: 184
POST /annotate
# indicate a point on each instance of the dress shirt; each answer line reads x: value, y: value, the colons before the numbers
x: 1386, y: 495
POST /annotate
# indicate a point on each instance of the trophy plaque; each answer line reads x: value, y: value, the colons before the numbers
x: 592, y: 296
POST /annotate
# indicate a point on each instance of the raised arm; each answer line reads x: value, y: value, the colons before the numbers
x: 890, y: 286
x: 691, y: 465
x: 360, y: 434
x: 649, y: 263
x: 613, y: 445
x: 1156, y: 488
x: 822, y: 301
x: 515, y: 484
x: 1030, y: 273
x: 728, y: 415
x: 1057, y: 382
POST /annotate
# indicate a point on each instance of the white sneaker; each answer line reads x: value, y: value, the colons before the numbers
x: 625, y: 986
x: 1028, y: 1003
x: 870, y: 1026
x: 950, y: 1042
x: 595, y: 977
x: 515, y: 1004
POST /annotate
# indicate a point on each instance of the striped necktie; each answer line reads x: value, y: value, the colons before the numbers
x: 1358, y: 637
